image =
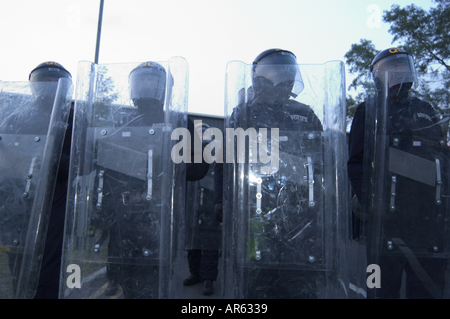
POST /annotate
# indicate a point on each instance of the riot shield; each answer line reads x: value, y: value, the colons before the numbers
x: 126, y: 196
x: 406, y: 186
x: 32, y: 128
x: 285, y: 193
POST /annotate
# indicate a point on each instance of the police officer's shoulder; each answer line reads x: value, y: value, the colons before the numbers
x: 293, y: 105
x: 298, y: 108
x: 361, y: 106
x: 415, y: 101
x: 359, y: 119
x: 425, y: 110
x: 238, y: 111
x: 240, y: 108
x: 303, y: 114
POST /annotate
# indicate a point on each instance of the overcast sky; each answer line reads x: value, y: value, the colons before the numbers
x: 207, y: 33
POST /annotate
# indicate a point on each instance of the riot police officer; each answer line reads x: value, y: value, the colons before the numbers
x: 405, y: 220
x: 129, y: 206
x: 130, y: 219
x: 270, y: 268
x: 203, y: 231
x: 51, y: 263
x: 43, y: 82
x: 29, y: 120
x: 276, y: 79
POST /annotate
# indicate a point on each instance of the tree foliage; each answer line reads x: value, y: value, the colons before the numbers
x: 105, y: 95
x: 359, y: 59
x: 426, y: 35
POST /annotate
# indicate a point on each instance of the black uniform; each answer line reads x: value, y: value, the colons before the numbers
x: 35, y: 121
x: 356, y: 150
x: 275, y: 277
x: 31, y: 117
x: 133, y: 222
x: 203, y: 232
x: 48, y: 287
x: 413, y: 128
x: 292, y: 116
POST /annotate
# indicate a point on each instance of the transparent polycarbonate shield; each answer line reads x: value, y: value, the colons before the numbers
x: 285, y: 193
x: 203, y: 231
x: 407, y: 185
x: 32, y: 128
x: 126, y: 195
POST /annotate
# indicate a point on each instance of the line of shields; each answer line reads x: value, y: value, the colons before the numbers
x: 132, y: 216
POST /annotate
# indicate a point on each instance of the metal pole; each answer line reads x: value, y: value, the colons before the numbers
x: 99, y: 31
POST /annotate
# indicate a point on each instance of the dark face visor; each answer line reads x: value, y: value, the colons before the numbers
x: 280, y: 71
x: 48, y: 75
x: 148, y: 83
x: 396, y: 69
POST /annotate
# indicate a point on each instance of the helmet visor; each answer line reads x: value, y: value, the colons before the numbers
x: 281, y: 70
x: 48, y: 75
x: 400, y: 69
x: 148, y: 83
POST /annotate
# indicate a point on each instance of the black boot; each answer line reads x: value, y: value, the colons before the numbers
x: 192, y: 280
x: 112, y: 288
x: 208, y: 289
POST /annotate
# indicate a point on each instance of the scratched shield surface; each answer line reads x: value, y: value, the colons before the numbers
x: 126, y: 196
x: 406, y: 174
x: 286, y: 200
x: 32, y: 129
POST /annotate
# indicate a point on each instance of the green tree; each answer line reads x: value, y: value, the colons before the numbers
x: 104, y: 96
x: 426, y: 35
x: 358, y: 60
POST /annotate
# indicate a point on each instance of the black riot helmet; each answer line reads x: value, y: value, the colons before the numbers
x: 276, y: 76
x: 48, y: 72
x: 45, y: 72
x: 147, y: 83
x: 397, y: 68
